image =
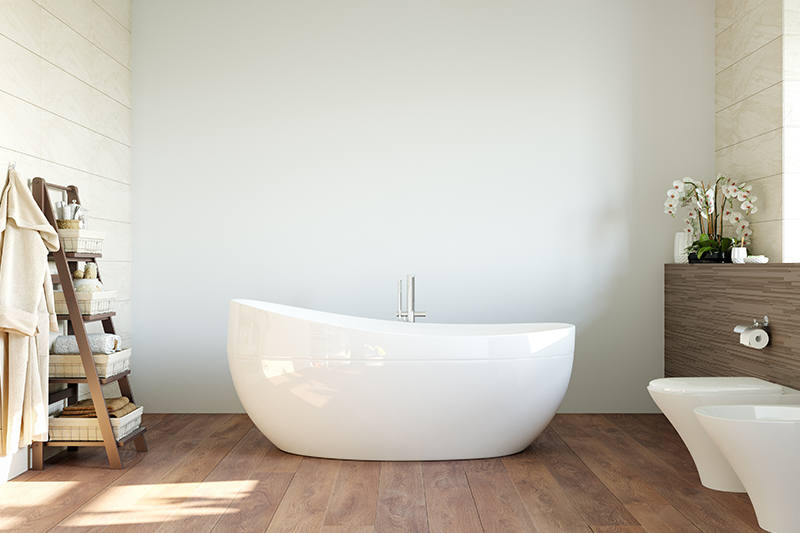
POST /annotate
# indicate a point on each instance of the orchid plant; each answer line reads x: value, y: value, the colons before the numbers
x: 709, y: 208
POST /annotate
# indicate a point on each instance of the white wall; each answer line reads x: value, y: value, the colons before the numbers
x: 514, y: 156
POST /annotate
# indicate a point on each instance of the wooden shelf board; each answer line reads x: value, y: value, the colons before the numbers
x: 89, y: 318
x: 120, y: 443
x: 103, y: 381
x: 78, y: 255
x: 60, y: 395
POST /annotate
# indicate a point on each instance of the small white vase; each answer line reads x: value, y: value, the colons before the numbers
x: 681, y: 242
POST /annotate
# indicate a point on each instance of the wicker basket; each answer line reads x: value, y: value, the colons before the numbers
x: 82, y: 241
x: 88, y: 429
x: 71, y: 366
x: 90, y: 303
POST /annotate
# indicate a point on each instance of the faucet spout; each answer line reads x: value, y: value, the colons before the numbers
x: 410, y: 314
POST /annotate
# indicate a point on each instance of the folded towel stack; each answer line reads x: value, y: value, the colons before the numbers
x: 117, y: 407
x: 98, y: 342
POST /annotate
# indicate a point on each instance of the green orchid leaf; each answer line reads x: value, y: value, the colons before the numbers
x: 703, y: 250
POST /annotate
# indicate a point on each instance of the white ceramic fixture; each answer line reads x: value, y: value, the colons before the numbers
x: 678, y: 397
x: 335, y: 386
x: 761, y: 442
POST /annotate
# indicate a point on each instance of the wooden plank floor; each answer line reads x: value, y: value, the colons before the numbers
x: 218, y: 473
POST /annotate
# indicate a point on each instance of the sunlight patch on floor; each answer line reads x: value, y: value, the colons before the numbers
x: 166, y: 501
x: 43, y: 492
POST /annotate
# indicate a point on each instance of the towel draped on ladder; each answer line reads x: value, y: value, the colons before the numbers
x: 27, y: 313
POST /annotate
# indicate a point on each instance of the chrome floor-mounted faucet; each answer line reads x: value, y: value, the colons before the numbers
x: 410, y: 314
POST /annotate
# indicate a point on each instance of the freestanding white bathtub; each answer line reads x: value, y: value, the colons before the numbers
x: 335, y: 386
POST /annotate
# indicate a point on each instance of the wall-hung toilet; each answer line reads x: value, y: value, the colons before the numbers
x: 678, y: 397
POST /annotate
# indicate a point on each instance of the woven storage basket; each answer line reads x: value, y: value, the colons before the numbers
x: 90, y: 303
x: 81, y: 241
x: 71, y: 366
x: 88, y: 429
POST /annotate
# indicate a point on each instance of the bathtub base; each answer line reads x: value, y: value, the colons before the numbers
x: 406, y: 411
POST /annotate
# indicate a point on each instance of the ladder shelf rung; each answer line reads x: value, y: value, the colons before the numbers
x: 120, y: 443
x: 78, y: 256
x: 103, y: 381
x: 90, y: 318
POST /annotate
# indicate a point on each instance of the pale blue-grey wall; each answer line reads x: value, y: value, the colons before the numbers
x: 513, y: 155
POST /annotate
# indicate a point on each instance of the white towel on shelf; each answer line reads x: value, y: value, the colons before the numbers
x: 98, y: 342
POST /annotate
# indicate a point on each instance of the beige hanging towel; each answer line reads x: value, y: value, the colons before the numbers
x: 26, y: 313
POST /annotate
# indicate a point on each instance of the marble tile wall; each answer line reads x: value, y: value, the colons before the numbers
x: 758, y: 114
x: 791, y: 125
x: 750, y: 133
x: 65, y: 114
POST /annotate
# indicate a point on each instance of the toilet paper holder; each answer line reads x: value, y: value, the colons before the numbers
x: 753, y: 335
x: 756, y: 324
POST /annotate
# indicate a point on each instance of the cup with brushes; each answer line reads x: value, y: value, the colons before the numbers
x: 739, y: 255
x: 85, y: 279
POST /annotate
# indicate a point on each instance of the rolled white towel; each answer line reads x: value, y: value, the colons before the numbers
x: 98, y: 342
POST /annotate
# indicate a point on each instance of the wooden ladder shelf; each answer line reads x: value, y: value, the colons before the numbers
x: 66, y: 263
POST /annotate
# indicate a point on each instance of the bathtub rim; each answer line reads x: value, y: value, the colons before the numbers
x: 402, y: 328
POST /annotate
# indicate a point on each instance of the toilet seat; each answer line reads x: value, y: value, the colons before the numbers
x: 715, y: 385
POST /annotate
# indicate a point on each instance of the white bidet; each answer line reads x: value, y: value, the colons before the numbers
x: 678, y: 397
x: 761, y: 443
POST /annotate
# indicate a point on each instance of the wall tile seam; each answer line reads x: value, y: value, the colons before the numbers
x: 782, y: 34
x: 748, y: 96
x: 65, y: 118
x: 115, y: 221
x: 748, y: 55
x: 722, y: 109
x: 112, y: 17
x: 753, y: 180
x: 86, y: 39
x: 66, y: 72
x: 750, y: 139
x: 743, y: 15
x: 123, y: 104
x: 40, y: 158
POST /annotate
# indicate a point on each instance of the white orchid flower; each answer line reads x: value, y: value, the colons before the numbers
x: 678, y: 185
x: 726, y: 213
x: 735, y: 218
x: 745, y: 233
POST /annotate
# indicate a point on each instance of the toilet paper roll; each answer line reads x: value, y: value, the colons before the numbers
x: 755, y: 337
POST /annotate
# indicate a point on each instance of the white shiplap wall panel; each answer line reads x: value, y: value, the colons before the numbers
x: 65, y: 115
